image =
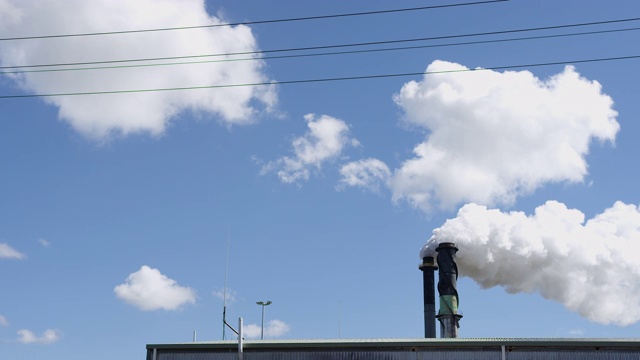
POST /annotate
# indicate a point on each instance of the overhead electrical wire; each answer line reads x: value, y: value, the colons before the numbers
x: 318, y: 80
x: 324, y: 47
x: 306, y: 18
x: 326, y: 53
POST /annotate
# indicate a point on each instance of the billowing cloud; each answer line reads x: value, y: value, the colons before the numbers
x: 99, y: 116
x: 367, y: 173
x: 592, y: 267
x: 148, y: 289
x: 494, y: 136
x: 274, y: 328
x: 28, y: 337
x: 7, y: 252
x: 325, y: 140
x: 3, y: 321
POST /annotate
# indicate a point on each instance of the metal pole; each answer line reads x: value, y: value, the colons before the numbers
x: 339, y: 319
x: 240, y: 354
x: 262, y: 326
x: 224, y: 294
x: 263, y: 304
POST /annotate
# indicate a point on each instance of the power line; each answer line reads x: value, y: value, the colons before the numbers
x: 324, y: 47
x: 303, y: 81
x: 328, y: 53
x: 306, y: 18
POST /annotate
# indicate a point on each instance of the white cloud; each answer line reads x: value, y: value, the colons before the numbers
x: 230, y: 294
x: 7, y: 252
x: 576, y: 332
x: 274, y: 328
x: 251, y: 331
x: 592, y: 267
x: 325, y: 140
x: 28, y: 337
x: 496, y: 136
x: 3, y: 321
x: 148, y: 289
x: 9, y: 13
x: 102, y: 116
x: 367, y: 173
x: 277, y: 328
x: 44, y: 242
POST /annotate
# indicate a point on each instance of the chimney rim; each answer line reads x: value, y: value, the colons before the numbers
x: 446, y: 245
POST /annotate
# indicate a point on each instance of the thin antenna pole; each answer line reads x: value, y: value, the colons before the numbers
x: 339, y: 319
x: 224, y: 294
x: 240, y: 338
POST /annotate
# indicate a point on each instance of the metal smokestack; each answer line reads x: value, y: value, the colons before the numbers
x: 447, y: 279
x: 428, y: 267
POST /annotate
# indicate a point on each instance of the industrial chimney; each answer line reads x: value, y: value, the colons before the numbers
x: 447, y: 288
x: 428, y: 267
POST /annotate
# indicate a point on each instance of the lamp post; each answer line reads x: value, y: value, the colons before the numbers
x: 263, y: 304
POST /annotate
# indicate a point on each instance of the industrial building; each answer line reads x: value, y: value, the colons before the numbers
x: 401, y: 349
x: 449, y: 347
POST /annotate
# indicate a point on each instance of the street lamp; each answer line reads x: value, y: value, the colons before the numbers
x: 263, y: 304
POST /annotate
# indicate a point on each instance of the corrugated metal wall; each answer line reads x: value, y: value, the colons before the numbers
x: 403, y: 353
x: 549, y: 354
x: 191, y: 355
x: 435, y: 354
x: 376, y: 355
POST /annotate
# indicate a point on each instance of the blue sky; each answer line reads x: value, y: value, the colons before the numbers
x: 116, y: 210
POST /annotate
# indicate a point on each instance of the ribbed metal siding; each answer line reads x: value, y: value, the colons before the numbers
x: 556, y: 354
x: 192, y: 355
x: 377, y: 355
x: 420, y: 354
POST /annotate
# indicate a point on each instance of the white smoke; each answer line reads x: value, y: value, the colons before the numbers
x: 592, y: 268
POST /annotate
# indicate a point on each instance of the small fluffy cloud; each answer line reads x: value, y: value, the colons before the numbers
x: 148, y: 289
x: 576, y: 332
x: 100, y: 116
x: 3, y: 321
x: 494, y: 136
x: 7, y: 252
x: 367, y: 173
x: 325, y: 140
x: 274, y: 328
x: 44, y: 242
x: 230, y: 294
x: 592, y: 267
x: 28, y: 337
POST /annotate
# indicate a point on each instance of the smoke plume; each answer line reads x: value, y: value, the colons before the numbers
x: 592, y: 267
